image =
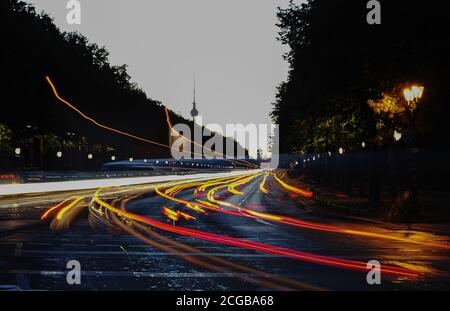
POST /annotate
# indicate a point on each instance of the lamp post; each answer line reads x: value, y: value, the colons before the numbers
x: 412, y: 96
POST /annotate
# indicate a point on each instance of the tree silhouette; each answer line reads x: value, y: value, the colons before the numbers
x: 33, y: 47
x: 338, y: 62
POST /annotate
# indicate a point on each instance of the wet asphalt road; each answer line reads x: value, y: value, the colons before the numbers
x: 35, y: 257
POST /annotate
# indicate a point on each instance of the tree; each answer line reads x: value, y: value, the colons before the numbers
x: 5, y: 138
x: 338, y: 62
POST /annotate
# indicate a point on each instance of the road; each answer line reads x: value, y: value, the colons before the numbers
x: 252, y: 232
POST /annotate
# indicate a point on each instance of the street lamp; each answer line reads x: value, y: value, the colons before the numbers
x: 363, y: 144
x: 130, y: 159
x: 90, y: 156
x: 397, y: 135
x: 413, y: 94
x: 17, y: 151
x: 59, y: 154
x: 341, y: 150
x: 408, y: 94
x: 113, y: 158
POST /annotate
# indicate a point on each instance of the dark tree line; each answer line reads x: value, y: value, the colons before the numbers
x: 32, y: 48
x: 344, y: 90
x: 338, y: 62
x: 32, y: 119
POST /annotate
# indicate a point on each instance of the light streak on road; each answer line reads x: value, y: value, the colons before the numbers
x: 206, y: 261
x: 232, y: 189
x: 171, y: 214
x: 208, y: 204
x: 300, y: 191
x: 409, y: 271
x: 263, y: 215
x: 188, y: 204
x: 194, y: 206
x: 191, y: 205
x: 267, y: 248
x: 65, y: 209
x: 262, y: 185
x: 245, y: 212
x: 51, y: 209
x: 220, y: 181
x: 186, y: 215
x: 232, y: 186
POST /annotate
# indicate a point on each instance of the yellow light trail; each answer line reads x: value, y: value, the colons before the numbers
x: 262, y: 184
x: 210, y: 194
x: 208, y: 204
x: 209, y: 262
x: 61, y: 213
x: 302, y: 192
x: 219, y: 181
x: 188, y: 204
x: 267, y: 248
x: 51, y: 209
x: 245, y: 212
x: 316, y: 226
x: 232, y: 186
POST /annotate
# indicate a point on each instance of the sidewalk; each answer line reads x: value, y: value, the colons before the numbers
x: 13, y: 224
x: 20, y: 213
x: 434, y: 208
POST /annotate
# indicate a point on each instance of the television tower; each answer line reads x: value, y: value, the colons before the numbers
x: 194, y: 111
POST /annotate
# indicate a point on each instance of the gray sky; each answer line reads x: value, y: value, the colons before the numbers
x: 230, y: 45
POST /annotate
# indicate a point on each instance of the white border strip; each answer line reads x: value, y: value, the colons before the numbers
x: 15, y: 189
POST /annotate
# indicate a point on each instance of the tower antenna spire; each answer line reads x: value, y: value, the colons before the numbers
x: 194, y: 111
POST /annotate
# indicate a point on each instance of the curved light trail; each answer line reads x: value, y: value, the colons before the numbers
x: 245, y: 212
x: 302, y: 192
x: 262, y: 185
x: 267, y: 248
